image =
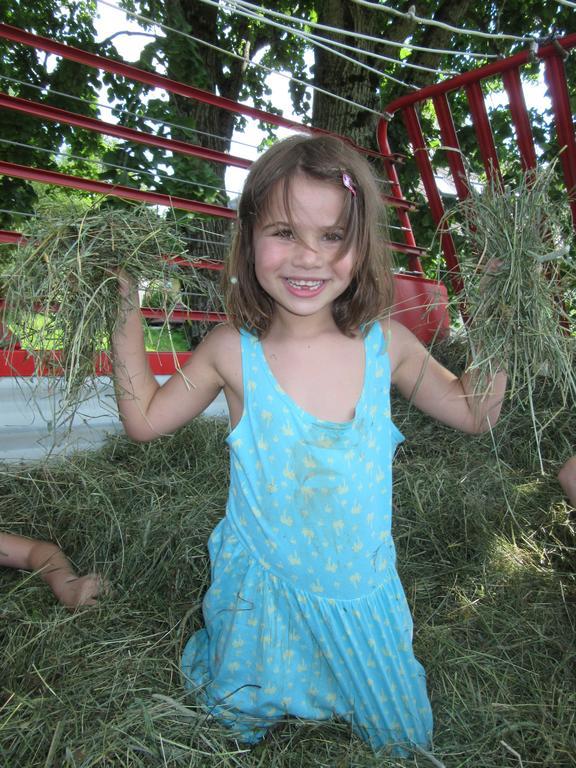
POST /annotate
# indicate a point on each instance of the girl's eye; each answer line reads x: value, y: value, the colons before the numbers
x: 333, y: 237
x: 284, y: 234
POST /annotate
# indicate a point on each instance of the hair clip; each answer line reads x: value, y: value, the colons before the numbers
x: 348, y: 183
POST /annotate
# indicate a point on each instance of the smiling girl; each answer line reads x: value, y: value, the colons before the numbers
x: 305, y: 614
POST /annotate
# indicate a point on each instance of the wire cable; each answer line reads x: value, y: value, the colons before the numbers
x: 16, y: 213
x: 323, y: 46
x: 236, y: 56
x: 321, y: 42
x: 104, y: 164
x: 411, y: 14
x: 361, y: 36
x: 151, y: 119
x: 404, y: 63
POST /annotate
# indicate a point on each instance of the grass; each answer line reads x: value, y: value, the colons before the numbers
x: 162, y: 339
x: 156, y: 338
x: 486, y: 552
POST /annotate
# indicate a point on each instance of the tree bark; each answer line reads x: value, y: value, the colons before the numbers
x: 336, y: 75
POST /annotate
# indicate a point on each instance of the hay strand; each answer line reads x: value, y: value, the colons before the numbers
x: 519, y: 315
x: 519, y: 289
x: 62, y: 293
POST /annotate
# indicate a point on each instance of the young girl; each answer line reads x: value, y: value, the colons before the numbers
x: 305, y: 614
x: 47, y: 559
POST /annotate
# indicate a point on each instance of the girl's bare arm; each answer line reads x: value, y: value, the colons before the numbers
x: 48, y: 560
x: 147, y: 409
x: 460, y: 402
x: 567, y: 479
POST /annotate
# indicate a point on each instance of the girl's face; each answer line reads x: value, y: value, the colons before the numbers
x: 298, y: 264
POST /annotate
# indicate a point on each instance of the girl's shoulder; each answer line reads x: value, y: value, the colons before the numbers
x: 221, y: 338
x: 393, y: 331
x: 401, y: 343
x: 221, y: 346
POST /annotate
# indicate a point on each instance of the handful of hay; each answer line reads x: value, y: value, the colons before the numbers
x: 519, y: 281
x: 62, y: 290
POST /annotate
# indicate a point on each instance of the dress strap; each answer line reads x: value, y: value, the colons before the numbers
x: 377, y: 345
x: 251, y: 369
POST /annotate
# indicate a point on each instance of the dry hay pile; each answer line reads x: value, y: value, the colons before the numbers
x: 61, y: 288
x: 485, y: 550
x: 519, y: 282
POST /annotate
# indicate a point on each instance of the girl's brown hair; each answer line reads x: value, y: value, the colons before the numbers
x: 328, y: 159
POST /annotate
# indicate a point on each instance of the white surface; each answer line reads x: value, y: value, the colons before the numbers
x: 27, y: 411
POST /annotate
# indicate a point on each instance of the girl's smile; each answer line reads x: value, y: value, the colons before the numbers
x: 305, y: 288
x: 297, y: 254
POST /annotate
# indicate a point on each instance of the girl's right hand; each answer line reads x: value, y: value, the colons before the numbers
x: 125, y: 283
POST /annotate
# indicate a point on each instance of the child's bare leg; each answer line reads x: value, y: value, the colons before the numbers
x: 567, y: 479
x: 49, y: 561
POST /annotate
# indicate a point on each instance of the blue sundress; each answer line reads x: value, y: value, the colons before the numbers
x: 306, y: 615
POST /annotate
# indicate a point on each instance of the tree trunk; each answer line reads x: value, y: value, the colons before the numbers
x: 336, y: 75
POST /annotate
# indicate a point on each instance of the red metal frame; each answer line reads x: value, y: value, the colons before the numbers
x: 407, y: 288
x: 18, y: 362
x: 509, y: 69
x: 118, y: 190
x: 10, y: 32
x: 556, y: 82
x: 120, y: 132
x: 23, y: 363
x: 419, y: 303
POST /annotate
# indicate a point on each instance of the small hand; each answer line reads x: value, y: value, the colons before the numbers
x: 125, y: 283
x: 79, y: 591
x: 492, y: 268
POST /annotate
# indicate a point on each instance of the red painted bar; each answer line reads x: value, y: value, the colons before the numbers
x: 17, y: 237
x: 422, y: 306
x: 117, y: 190
x: 17, y: 35
x: 412, y: 251
x: 434, y: 200
x: 419, y: 303
x: 520, y: 120
x: 10, y: 32
x: 450, y: 139
x: 414, y: 263
x: 10, y: 237
x: 396, y: 202
x: 509, y: 69
x: 121, y: 132
x: 474, y: 75
x: 20, y: 362
x: 183, y: 314
x: 129, y: 134
x: 556, y: 81
x: 483, y: 132
x: 197, y: 264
